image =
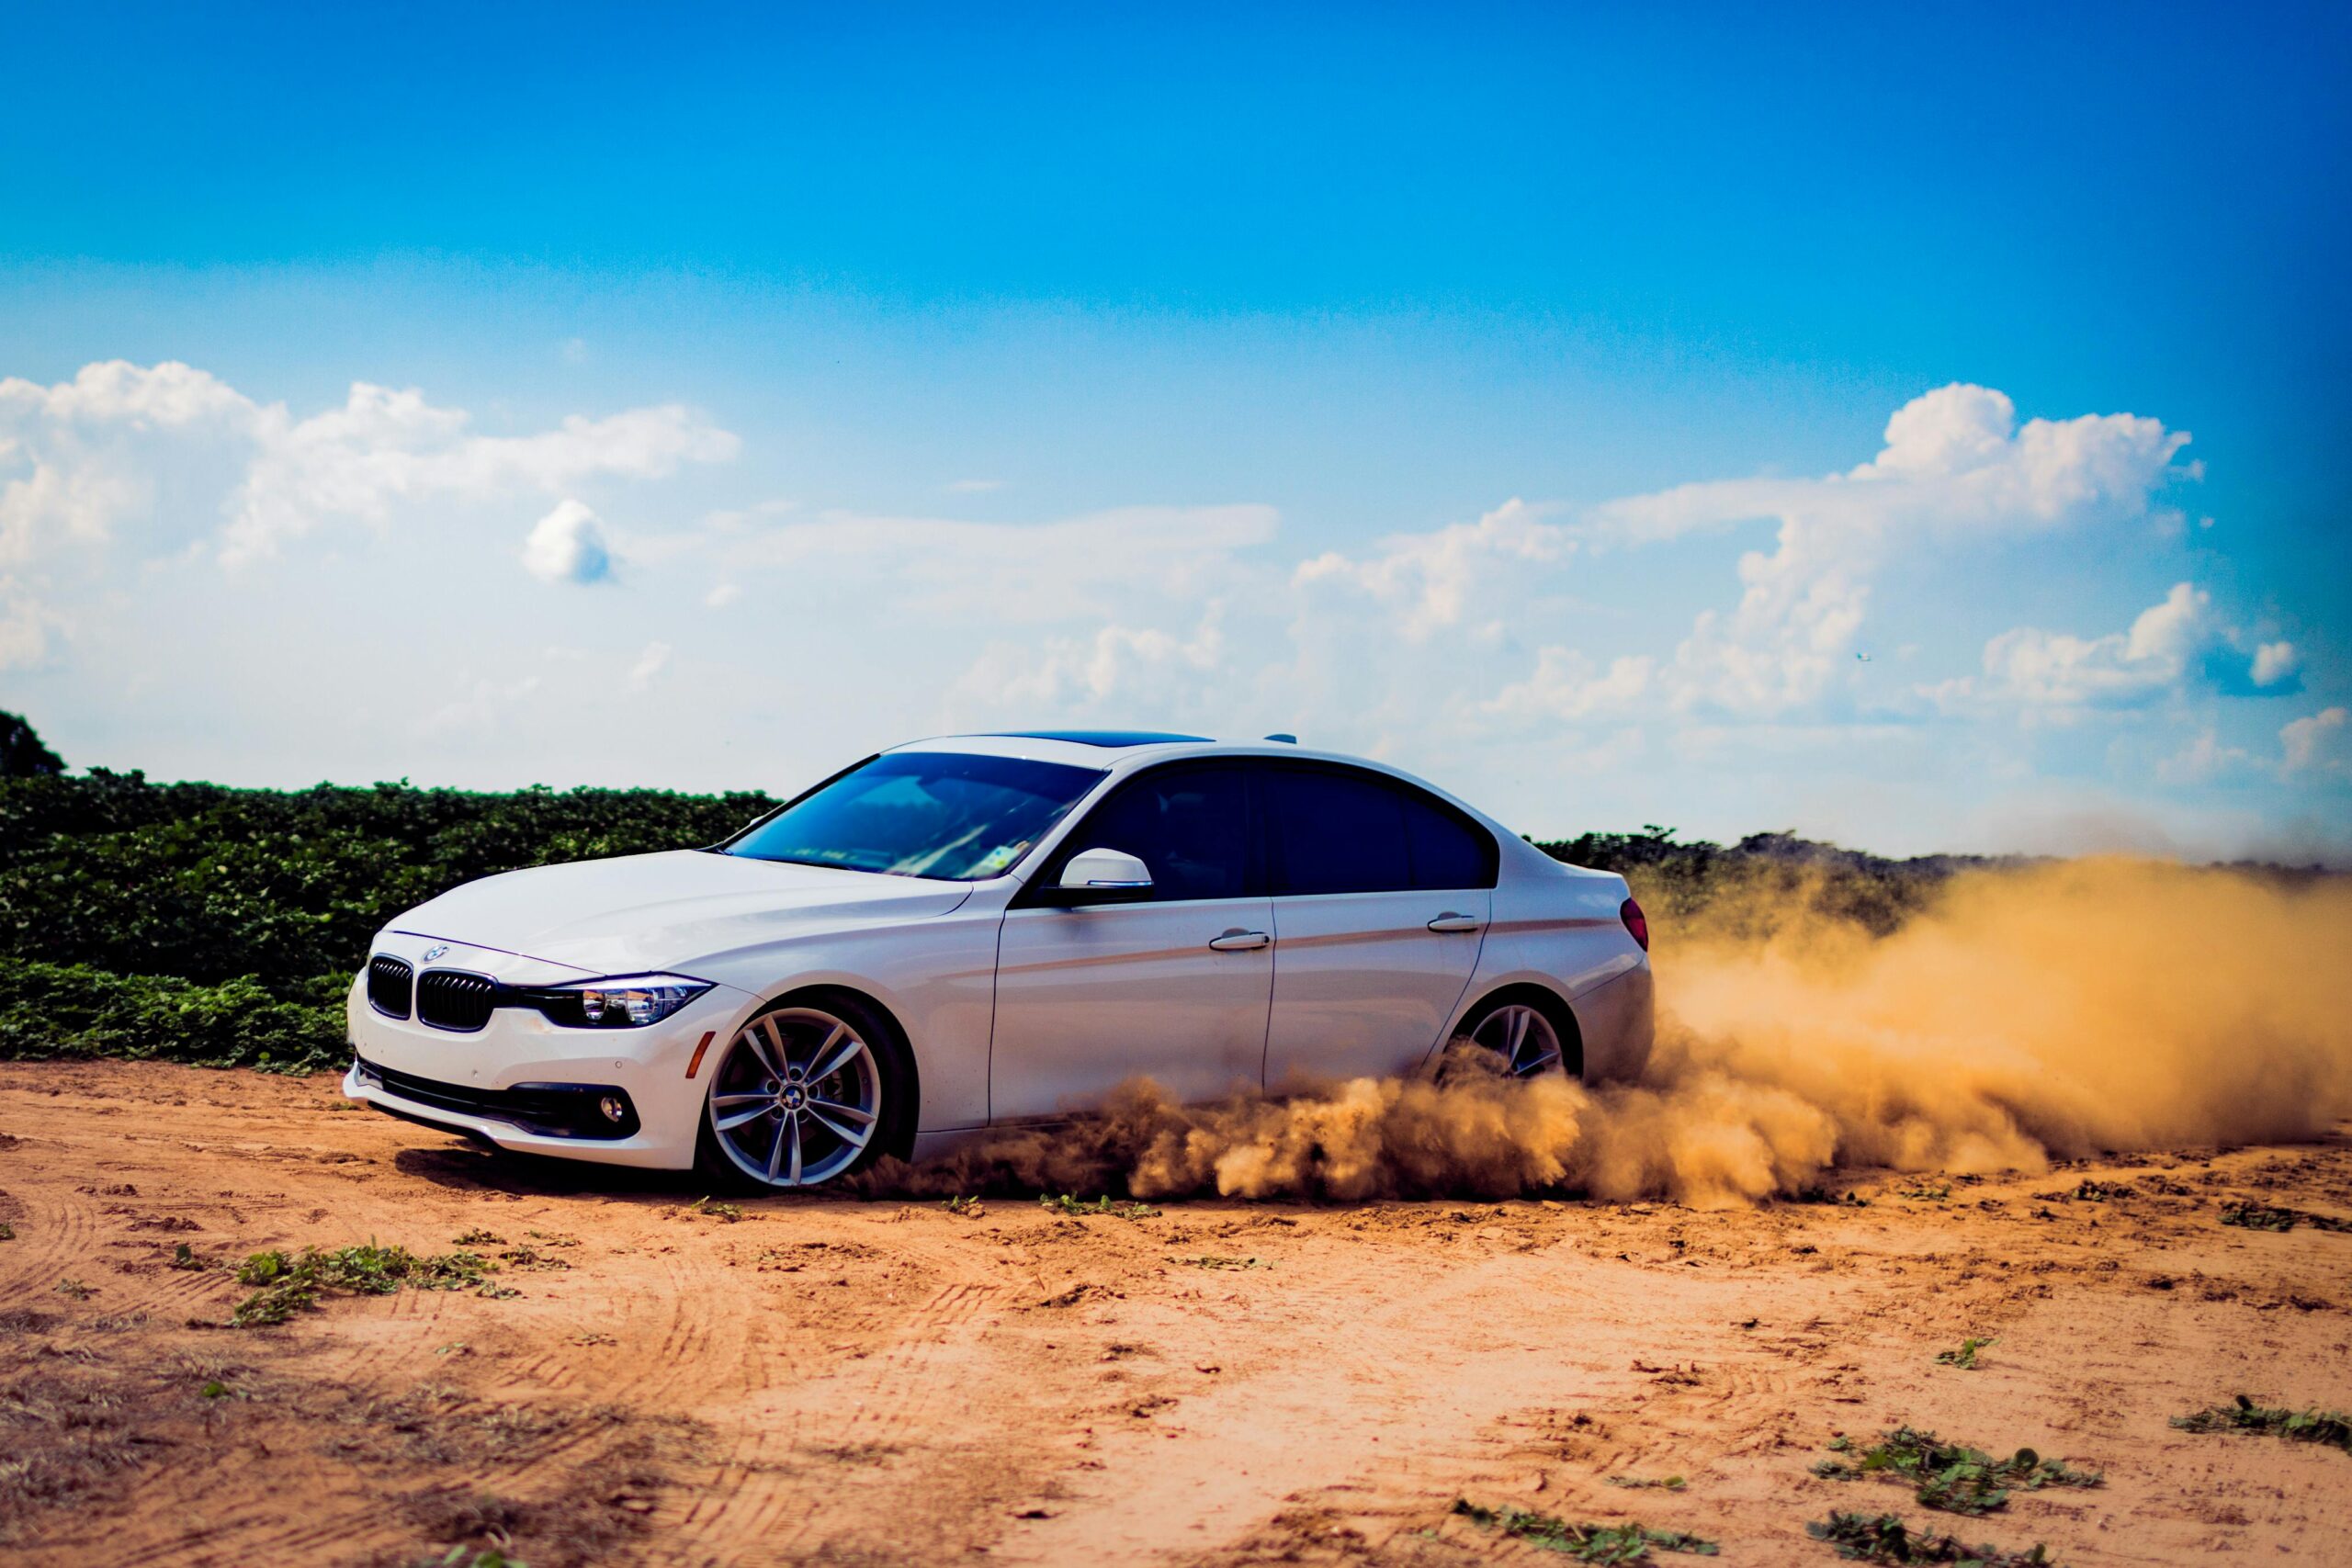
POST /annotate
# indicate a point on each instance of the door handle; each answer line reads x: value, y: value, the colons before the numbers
x: 1450, y: 922
x: 1239, y: 941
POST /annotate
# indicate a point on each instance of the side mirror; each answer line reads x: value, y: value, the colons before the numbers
x: 1103, y: 877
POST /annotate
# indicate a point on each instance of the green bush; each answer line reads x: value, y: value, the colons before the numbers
x: 51, y: 1010
x: 209, y: 884
x: 192, y: 922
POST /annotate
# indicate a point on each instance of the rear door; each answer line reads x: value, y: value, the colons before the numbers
x: 1381, y: 895
x: 1175, y: 990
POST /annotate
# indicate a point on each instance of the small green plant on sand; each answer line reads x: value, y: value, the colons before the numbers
x: 1066, y: 1204
x: 1585, y: 1543
x: 1218, y: 1261
x: 716, y: 1208
x: 2332, y: 1427
x: 1923, y: 1194
x: 2249, y: 1215
x: 1965, y: 1356
x: 1955, y: 1479
x: 1659, y: 1483
x: 480, y: 1237
x: 964, y: 1206
x: 74, y: 1288
x: 1886, y: 1539
x: 283, y: 1285
x: 465, y: 1557
x: 7, y: 1231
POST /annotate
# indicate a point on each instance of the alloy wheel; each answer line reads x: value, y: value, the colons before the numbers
x: 1522, y: 1037
x: 796, y: 1097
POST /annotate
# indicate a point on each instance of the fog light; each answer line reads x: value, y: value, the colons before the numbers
x: 614, y: 1108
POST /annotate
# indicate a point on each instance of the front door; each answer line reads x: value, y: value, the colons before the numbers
x: 1175, y: 988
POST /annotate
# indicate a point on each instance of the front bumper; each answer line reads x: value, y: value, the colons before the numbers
x: 523, y: 1083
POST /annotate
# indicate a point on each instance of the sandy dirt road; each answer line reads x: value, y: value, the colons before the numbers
x: 837, y: 1380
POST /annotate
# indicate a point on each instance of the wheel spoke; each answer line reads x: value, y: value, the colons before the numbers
x: 1538, y: 1065
x: 854, y: 1136
x: 831, y: 1061
x: 739, y: 1099
x: 743, y: 1118
x: 775, y: 1150
x: 1519, y: 1018
x: 775, y: 1053
x: 863, y: 1117
x: 793, y: 1121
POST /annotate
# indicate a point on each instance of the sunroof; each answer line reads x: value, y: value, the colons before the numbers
x: 1098, y: 737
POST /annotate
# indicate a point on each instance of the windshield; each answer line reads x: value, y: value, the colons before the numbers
x: 955, y: 817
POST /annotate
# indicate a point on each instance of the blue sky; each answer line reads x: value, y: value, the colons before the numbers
x: 757, y: 387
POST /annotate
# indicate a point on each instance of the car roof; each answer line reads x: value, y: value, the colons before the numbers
x: 1104, y: 737
x: 1097, y: 748
x: 1123, y: 752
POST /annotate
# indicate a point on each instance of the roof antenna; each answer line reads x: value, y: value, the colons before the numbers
x: 1285, y: 739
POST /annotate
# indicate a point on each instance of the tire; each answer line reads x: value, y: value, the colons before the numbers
x: 816, y: 1086
x: 1533, y: 1031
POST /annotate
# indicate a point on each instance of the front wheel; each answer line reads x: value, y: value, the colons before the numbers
x: 807, y: 1090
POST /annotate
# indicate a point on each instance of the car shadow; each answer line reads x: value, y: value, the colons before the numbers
x: 467, y: 1167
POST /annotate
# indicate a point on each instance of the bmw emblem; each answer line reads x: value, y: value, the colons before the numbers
x: 438, y: 951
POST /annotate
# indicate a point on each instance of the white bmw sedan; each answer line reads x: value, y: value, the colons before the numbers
x: 991, y: 929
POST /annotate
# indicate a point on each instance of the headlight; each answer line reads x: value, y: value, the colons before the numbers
x: 624, y: 1001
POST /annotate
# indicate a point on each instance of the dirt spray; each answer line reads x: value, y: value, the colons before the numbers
x: 2049, y: 1012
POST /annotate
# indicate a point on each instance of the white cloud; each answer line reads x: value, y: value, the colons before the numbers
x: 1955, y: 465
x: 1954, y: 459
x: 2054, y: 669
x: 2317, y: 744
x: 1502, y: 653
x: 2204, y: 759
x: 568, y: 545
x: 24, y: 624
x: 1428, y: 579
x: 1103, y: 565
x: 1137, y: 668
x: 1569, y: 686
x: 384, y: 446
x: 648, y: 666
x: 485, y: 705
x: 2274, y: 662
x: 191, y: 458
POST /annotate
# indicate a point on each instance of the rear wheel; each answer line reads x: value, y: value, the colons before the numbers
x: 810, y: 1088
x: 1531, y: 1034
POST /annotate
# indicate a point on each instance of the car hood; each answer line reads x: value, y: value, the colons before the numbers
x: 640, y: 913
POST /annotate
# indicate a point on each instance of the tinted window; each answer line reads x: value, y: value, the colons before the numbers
x: 919, y: 814
x: 1188, y: 826
x: 1336, y: 832
x: 1447, y: 851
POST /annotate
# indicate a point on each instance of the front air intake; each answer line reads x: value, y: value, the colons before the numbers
x: 450, y: 998
x: 388, y: 981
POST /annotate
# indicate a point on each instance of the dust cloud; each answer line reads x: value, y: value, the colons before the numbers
x: 2025, y: 1015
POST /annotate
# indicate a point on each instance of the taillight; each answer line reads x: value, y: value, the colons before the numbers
x: 1635, y: 922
